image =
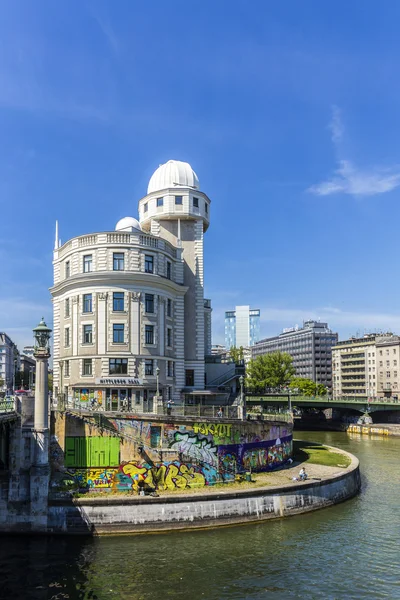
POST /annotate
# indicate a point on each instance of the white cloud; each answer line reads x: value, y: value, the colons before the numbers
x: 350, y: 179
x: 336, y: 125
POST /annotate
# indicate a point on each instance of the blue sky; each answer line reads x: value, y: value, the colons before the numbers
x: 288, y: 112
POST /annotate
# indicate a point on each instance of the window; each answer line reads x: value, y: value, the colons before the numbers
x: 387, y: 373
x: 137, y: 397
x: 66, y: 368
x: 118, y: 261
x: 387, y: 351
x: 388, y: 363
x: 169, y: 336
x: 149, y: 303
x: 381, y: 363
x: 196, y: 202
x: 118, y: 366
x: 87, y: 303
x: 206, y: 207
x: 87, y: 263
x: 179, y: 200
x: 160, y: 202
x: 169, y: 307
x: 169, y: 368
x: 380, y: 352
x: 169, y: 266
x: 149, y: 334
x: 189, y: 377
x: 145, y: 207
x: 395, y: 363
x: 118, y: 301
x: 87, y: 334
x: 118, y: 333
x: 87, y: 366
x: 148, y: 366
x: 395, y: 374
x: 67, y: 269
x: 67, y: 308
x: 66, y: 337
x: 394, y: 350
x: 148, y: 263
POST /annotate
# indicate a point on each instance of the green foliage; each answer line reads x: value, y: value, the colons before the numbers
x: 236, y: 354
x: 307, y: 387
x: 273, y: 370
x: 1, y: 382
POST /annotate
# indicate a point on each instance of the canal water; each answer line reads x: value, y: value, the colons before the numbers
x: 348, y: 551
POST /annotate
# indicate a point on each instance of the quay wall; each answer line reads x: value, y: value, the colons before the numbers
x: 116, y: 515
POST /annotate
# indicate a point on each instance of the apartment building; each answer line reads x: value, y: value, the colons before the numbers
x: 366, y: 366
x: 310, y: 348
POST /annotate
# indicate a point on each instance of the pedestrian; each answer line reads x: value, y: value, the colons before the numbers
x: 169, y: 406
x: 220, y: 413
x: 303, y: 475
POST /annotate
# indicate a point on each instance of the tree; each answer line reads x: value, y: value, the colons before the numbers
x: 236, y: 354
x: 273, y: 370
x: 1, y: 382
x: 308, y: 387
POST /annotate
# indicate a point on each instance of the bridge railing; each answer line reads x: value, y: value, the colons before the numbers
x: 7, y: 405
x: 283, y: 399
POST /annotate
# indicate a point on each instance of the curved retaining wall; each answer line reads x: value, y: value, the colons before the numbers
x: 137, y: 514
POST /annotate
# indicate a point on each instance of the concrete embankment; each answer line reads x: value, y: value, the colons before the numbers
x: 108, y: 515
x: 386, y: 429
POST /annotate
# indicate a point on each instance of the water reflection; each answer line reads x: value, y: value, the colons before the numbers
x: 347, y: 551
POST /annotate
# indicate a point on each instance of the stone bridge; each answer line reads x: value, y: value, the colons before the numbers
x: 361, y: 405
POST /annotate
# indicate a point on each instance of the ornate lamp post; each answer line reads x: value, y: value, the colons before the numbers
x: 42, y: 355
x: 242, y: 397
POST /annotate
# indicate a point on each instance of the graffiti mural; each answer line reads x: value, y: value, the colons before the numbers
x: 126, y: 477
x: 172, y: 455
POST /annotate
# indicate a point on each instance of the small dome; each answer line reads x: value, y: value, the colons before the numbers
x: 173, y: 174
x: 128, y: 224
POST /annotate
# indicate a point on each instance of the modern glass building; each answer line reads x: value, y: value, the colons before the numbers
x: 242, y: 327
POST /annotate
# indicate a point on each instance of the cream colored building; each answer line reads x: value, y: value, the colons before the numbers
x: 366, y: 367
x: 129, y: 310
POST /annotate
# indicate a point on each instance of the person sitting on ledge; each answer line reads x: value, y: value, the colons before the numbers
x: 303, y: 475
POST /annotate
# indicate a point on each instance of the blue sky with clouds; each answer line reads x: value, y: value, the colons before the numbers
x: 288, y: 112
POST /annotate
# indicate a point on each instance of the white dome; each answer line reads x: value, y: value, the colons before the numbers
x: 128, y: 224
x: 173, y: 174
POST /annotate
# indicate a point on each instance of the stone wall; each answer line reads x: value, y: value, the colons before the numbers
x: 137, y: 514
x: 164, y: 453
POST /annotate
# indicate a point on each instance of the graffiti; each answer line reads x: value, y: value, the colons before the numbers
x: 194, y: 447
x: 218, y: 429
x: 126, y: 477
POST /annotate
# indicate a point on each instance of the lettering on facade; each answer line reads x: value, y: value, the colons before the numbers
x: 118, y: 381
x: 219, y: 429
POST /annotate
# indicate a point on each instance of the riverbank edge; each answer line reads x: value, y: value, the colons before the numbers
x: 139, y: 515
x: 382, y: 429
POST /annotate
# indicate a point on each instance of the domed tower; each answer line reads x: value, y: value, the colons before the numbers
x: 175, y: 209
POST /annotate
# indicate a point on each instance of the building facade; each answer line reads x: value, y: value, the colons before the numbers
x: 310, y: 348
x: 130, y: 318
x: 9, y: 362
x: 242, y: 327
x: 367, y: 367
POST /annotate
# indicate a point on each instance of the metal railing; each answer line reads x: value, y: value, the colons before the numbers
x: 8, y: 405
x: 322, y: 399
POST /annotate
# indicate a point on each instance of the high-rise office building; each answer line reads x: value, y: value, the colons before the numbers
x: 242, y: 327
x: 310, y: 348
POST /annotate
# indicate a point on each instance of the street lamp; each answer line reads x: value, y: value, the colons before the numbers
x: 289, y: 400
x: 41, y: 334
x: 157, y: 376
x: 242, y: 397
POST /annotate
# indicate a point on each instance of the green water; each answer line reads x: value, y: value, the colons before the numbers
x: 348, y: 551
